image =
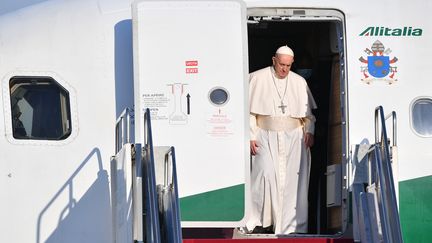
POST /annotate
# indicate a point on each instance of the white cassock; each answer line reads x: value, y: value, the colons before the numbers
x: 280, y: 169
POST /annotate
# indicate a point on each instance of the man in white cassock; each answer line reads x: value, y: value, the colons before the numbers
x: 281, y: 128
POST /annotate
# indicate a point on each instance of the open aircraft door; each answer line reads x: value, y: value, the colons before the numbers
x: 190, y: 70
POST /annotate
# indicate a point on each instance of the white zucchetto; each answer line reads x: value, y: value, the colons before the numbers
x: 285, y: 50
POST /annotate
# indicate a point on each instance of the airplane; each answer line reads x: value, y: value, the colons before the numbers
x: 95, y: 90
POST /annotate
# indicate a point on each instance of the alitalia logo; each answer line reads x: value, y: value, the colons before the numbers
x: 385, y: 31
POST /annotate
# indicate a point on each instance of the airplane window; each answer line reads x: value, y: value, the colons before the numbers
x: 40, y: 109
x: 218, y: 96
x: 421, y: 117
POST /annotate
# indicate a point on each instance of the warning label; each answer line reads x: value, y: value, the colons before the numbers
x: 191, y: 63
x: 158, y: 105
x: 191, y: 70
x: 219, y: 125
x: 191, y: 66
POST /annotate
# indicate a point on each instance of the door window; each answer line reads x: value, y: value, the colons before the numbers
x: 40, y: 109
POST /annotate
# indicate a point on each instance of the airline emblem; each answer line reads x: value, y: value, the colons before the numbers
x: 385, y: 31
x: 378, y: 65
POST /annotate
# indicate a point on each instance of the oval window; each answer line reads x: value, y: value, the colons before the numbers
x: 421, y: 117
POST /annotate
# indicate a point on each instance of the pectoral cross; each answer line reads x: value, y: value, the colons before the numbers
x: 282, y: 107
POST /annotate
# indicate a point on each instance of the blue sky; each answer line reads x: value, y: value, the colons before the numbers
x: 10, y: 5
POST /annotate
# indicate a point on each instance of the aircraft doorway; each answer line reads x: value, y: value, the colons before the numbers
x: 318, y: 45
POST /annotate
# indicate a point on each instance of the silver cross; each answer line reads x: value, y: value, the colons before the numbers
x: 282, y: 107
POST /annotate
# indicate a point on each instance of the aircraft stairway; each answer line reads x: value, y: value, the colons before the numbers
x: 375, y: 209
x: 144, y: 187
x: 145, y: 197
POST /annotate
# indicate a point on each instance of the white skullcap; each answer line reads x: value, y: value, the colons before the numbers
x: 285, y: 50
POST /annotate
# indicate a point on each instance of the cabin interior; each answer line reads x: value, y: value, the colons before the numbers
x: 315, y: 46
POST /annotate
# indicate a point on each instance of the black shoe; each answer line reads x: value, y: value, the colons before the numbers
x: 262, y: 230
x: 297, y: 233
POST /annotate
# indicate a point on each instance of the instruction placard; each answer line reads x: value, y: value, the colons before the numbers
x: 219, y: 124
x: 158, y: 104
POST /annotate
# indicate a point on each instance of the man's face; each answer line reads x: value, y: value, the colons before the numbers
x: 282, y: 64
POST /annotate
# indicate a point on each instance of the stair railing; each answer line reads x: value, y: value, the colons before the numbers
x: 381, y: 179
x: 150, y: 216
x: 168, y: 201
x: 123, y: 128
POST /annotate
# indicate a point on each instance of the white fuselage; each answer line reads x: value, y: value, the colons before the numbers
x: 59, y: 191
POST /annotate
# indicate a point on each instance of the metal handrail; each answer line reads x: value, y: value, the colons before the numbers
x: 389, y: 215
x: 170, y: 184
x: 379, y: 116
x: 394, y: 126
x: 151, y: 216
x: 168, y: 158
x: 123, y: 135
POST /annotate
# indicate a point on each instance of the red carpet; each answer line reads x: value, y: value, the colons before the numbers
x: 291, y: 240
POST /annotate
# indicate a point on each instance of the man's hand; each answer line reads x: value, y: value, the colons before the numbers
x: 309, y: 139
x: 253, y: 147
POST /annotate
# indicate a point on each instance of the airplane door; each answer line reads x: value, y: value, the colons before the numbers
x: 190, y: 70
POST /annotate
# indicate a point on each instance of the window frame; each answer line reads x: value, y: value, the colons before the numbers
x: 411, y: 111
x: 8, y: 109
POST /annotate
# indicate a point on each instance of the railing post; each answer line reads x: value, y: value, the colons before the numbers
x: 172, y: 212
x: 376, y: 123
x: 387, y: 203
x: 138, y: 196
x: 123, y: 129
x: 151, y: 217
